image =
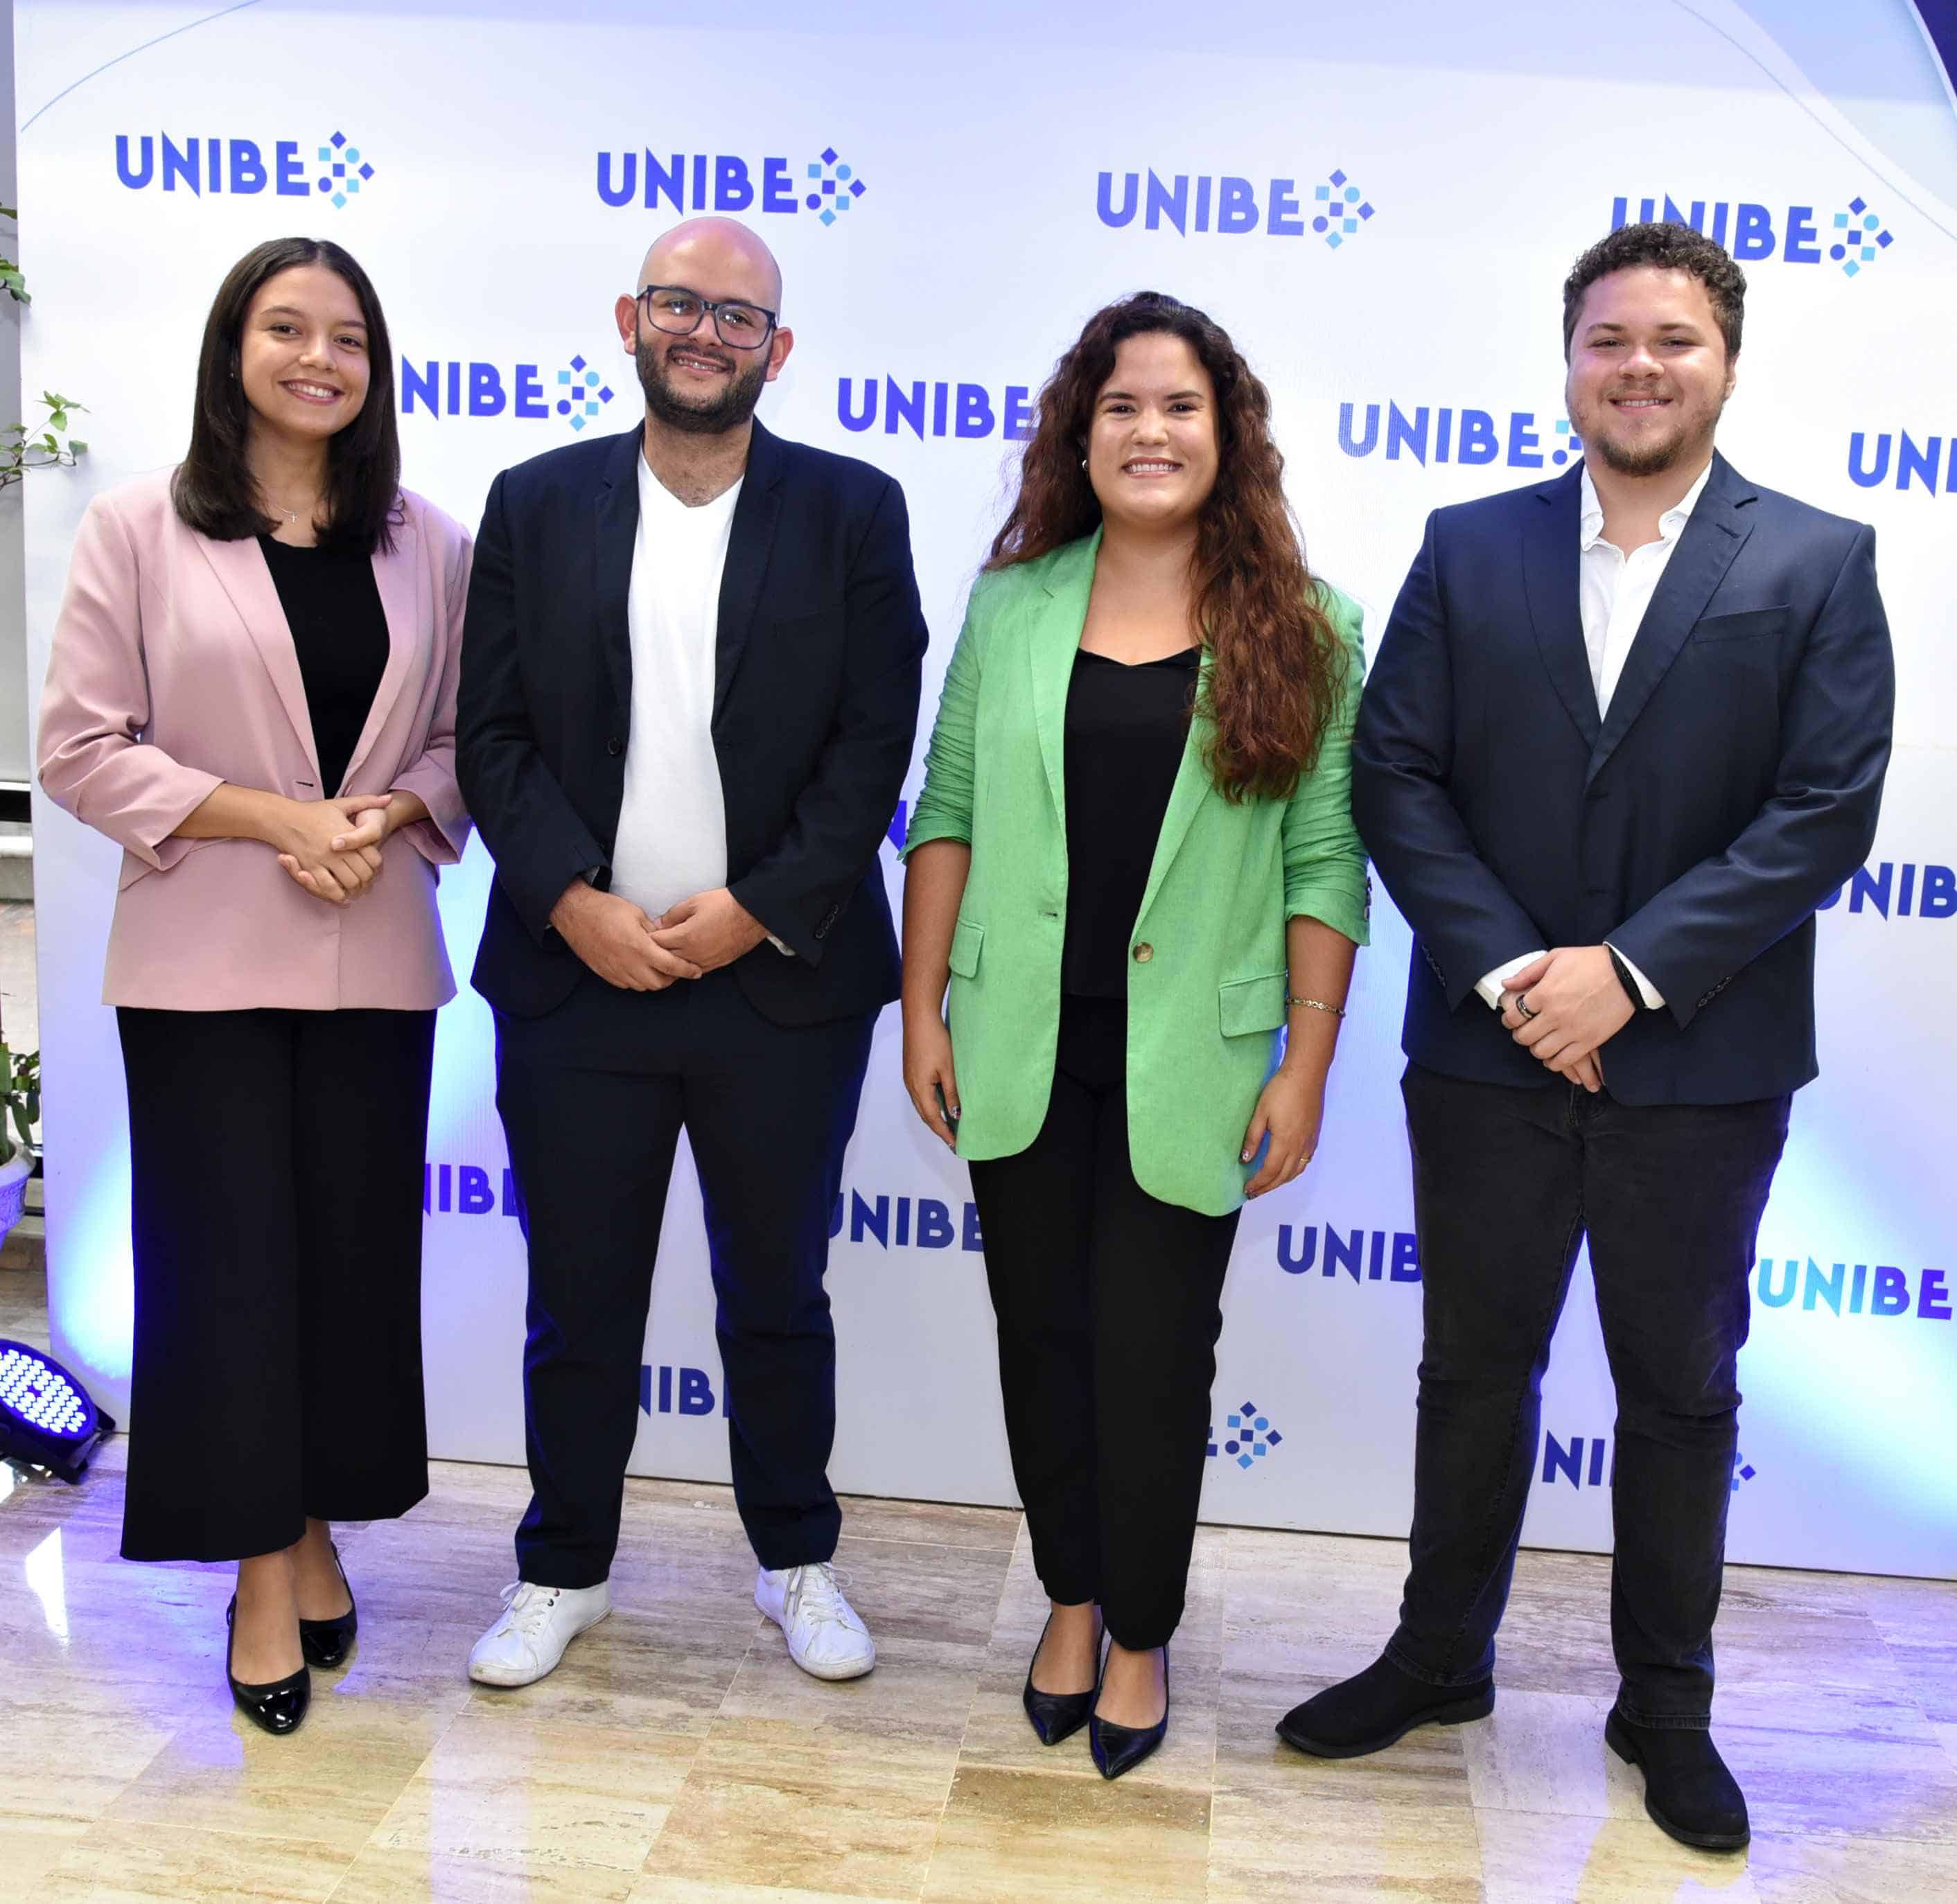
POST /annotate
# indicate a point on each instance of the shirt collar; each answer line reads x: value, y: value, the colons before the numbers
x: 1670, y: 524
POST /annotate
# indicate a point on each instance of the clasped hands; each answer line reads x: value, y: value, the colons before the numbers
x: 637, y: 954
x: 1576, y: 1005
x: 332, y: 847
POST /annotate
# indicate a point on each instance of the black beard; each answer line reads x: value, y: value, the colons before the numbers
x: 1638, y: 463
x: 729, y: 411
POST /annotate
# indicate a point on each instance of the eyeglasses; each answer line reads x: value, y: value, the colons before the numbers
x: 676, y: 310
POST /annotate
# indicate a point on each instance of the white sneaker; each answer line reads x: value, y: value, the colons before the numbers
x: 826, y: 1639
x: 538, y: 1623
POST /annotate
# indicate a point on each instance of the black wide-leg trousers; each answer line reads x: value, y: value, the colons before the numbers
x: 593, y: 1097
x: 1507, y: 1182
x: 276, y: 1164
x: 1108, y: 1311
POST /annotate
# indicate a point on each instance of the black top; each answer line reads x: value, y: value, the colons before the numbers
x: 340, y: 630
x: 1126, y: 730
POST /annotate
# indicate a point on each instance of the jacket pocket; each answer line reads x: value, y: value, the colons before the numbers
x: 966, y: 938
x: 1745, y: 626
x: 1249, y: 1004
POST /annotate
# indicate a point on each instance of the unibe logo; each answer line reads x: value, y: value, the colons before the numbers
x: 1905, y: 891
x: 576, y: 394
x: 467, y: 1190
x: 1443, y: 434
x: 1853, y: 238
x: 1916, y: 464
x: 698, y: 182
x: 665, y: 1390
x: 1366, y: 1256
x: 1592, y: 1461
x: 1846, y: 1289
x: 905, y: 1223
x: 213, y: 168
x: 1247, y: 1439
x: 1333, y: 210
x: 935, y: 409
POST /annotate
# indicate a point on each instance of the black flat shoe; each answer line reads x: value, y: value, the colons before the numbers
x: 1377, y: 1708
x: 326, y: 1642
x: 276, y: 1709
x: 1055, y: 1715
x: 1689, y: 1792
x: 1120, y: 1748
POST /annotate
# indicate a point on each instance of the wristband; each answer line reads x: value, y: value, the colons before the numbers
x: 1625, y: 979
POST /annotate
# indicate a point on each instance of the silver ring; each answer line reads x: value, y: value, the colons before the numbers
x: 1522, y: 1005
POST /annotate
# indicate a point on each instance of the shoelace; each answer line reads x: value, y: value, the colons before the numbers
x: 816, y: 1592
x: 527, y: 1607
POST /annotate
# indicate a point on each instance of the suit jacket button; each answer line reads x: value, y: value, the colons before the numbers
x: 614, y: 746
x: 1143, y: 953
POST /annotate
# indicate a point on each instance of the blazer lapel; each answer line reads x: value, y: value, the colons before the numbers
x: 1552, y: 531
x: 1056, y: 640
x: 1192, y: 786
x: 395, y: 574
x: 1715, y: 534
x: 240, y: 568
x: 618, y: 536
x: 750, y: 540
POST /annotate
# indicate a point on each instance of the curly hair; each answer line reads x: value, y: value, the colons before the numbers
x: 1668, y: 248
x: 1277, y: 665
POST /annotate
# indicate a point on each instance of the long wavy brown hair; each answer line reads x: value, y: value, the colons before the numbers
x: 1277, y: 664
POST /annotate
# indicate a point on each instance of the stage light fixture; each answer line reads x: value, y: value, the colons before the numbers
x: 46, y: 1418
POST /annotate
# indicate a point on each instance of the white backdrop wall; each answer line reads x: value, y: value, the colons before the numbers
x: 511, y: 169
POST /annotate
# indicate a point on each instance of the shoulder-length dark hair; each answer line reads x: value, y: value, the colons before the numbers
x: 214, y: 492
x: 1277, y: 664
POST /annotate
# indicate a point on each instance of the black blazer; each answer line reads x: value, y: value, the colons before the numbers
x: 1734, y: 785
x: 817, y: 671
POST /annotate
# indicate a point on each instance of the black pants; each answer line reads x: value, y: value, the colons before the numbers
x: 1108, y: 1307
x: 1506, y: 1183
x: 275, y: 1182
x: 593, y: 1097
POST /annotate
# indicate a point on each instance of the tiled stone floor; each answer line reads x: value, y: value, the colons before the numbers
x: 678, y: 1757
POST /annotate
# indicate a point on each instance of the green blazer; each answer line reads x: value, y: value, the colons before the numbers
x: 1207, y: 980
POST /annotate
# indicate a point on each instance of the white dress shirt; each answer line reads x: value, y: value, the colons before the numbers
x: 1615, y: 589
x: 672, y: 821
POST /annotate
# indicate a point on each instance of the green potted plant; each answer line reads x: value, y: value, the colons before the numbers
x: 19, y: 1112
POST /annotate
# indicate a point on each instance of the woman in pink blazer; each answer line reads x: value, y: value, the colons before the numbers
x: 252, y: 693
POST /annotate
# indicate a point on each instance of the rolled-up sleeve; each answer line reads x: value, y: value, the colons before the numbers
x: 943, y: 808
x: 90, y: 754
x: 1324, y: 860
x: 440, y: 838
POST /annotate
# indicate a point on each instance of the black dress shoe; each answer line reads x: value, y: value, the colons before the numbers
x: 1376, y: 1708
x: 1688, y: 1791
x: 1120, y: 1748
x: 325, y: 1643
x: 1055, y: 1715
x: 277, y: 1708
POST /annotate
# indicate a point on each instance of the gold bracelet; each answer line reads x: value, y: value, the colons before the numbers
x: 1316, y: 1004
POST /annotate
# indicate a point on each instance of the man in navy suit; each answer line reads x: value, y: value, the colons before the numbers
x: 690, y: 687
x: 1626, y: 731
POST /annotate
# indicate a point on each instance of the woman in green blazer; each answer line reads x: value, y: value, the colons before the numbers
x: 1132, y: 862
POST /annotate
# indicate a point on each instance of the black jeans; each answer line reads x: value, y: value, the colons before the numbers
x: 1507, y: 1182
x: 275, y: 1192
x: 593, y: 1097
x: 1108, y: 1306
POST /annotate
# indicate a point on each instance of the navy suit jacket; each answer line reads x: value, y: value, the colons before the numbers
x: 818, y: 668
x: 1733, y: 785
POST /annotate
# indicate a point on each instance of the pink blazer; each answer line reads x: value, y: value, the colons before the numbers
x: 172, y: 672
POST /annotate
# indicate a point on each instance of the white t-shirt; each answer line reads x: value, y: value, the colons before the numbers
x: 672, y: 824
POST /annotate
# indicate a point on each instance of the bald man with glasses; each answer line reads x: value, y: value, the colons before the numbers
x: 690, y: 686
